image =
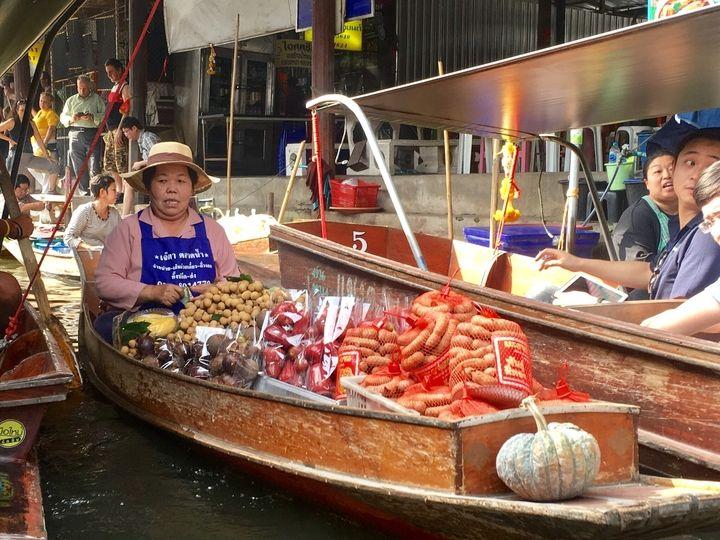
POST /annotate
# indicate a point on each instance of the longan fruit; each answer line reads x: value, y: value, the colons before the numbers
x: 206, y: 317
x: 227, y: 313
x: 211, y: 310
x: 233, y: 302
x: 213, y: 324
x: 208, y: 294
x: 246, y: 295
x: 233, y: 286
x: 235, y: 317
x: 184, y: 325
x: 216, y: 298
x: 225, y: 298
x: 243, y: 286
x: 245, y: 317
x: 197, y: 316
x: 207, y: 302
x: 124, y: 349
x: 234, y: 325
x: 214, y: 290
x: 221, y: 306
x: 255, y: 312
x: 224, y: 321
x: 132, y: 344
x: 254, y: 295
x: 224, y: 288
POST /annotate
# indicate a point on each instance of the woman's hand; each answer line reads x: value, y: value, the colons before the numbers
x: 554, y: 257
x: 166, y: 294
x: 197, y: 290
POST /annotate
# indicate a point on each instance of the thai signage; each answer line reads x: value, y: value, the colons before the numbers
x: 349, y: 40
x: 293, y: 53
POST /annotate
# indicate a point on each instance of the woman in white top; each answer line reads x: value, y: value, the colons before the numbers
x: 92, y: 222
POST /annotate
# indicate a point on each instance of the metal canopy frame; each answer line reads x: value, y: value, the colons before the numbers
x: 651, y: 69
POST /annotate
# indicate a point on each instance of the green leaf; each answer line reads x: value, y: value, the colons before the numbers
x: 216, y: 317
x: 133, y: 330
x: 241, y: 277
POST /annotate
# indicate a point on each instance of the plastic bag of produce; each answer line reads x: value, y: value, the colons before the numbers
x: 282, y: 336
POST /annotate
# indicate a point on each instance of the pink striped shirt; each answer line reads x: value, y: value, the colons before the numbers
x: 117, y: 277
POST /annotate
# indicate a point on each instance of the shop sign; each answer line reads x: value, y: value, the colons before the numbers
x: 34, y: 53
x: 349, y: 40
x: 353, y: 10
x: 659, y: 9
x: 293, y: 53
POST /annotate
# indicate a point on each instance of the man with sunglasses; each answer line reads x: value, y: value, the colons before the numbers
x: 690, y: 261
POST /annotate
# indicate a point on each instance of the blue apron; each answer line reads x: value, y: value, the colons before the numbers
x: 177, y: 261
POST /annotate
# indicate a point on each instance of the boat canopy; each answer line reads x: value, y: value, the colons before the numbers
x: 22, y: 23
x: 652, y: 69
x: 194, y: 24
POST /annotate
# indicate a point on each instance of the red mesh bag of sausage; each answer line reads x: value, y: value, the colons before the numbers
x: 427, y: 400
x: 375, y: 343
x: 387, y: 381
x: 444, y: 301
x: 423, y: 347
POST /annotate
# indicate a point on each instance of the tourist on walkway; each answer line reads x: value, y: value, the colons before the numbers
x: 30, y: 164
x: 115, y: 157
x: 82, y: 114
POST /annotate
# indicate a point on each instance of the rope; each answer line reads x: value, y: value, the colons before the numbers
x: 320, y: 175
x: 14, y: 320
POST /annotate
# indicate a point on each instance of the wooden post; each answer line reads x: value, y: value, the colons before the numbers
x: 323, y: 71
x: 494, y: 186
x: 293, y: 174
x: 11, y: 203
x: 231, y: 125
x: 21, y: 77
x: 448, y: 174
x: 270, y: 203
x: 138, y: 89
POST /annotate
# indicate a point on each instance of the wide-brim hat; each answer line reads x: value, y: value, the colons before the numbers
x: 167, y: 153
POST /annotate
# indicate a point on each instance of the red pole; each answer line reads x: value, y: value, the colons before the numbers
x: 319, y: 168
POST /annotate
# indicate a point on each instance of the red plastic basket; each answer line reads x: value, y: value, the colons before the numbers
x: 364, y: 195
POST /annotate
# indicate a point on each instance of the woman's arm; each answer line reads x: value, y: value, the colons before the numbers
x: 76, y: 227
x: 50, y: 134
x: 698, y: 314
x: 39, y: 140
x: 635, y: 274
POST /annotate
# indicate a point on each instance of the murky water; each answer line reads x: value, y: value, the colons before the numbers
x: 107, y: 475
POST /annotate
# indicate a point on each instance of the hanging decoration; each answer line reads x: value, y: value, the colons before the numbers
x: 509, y: 190
x: 211, y: 69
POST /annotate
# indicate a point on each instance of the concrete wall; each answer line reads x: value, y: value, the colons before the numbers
x: 187, y: 96
x: 423, y: 198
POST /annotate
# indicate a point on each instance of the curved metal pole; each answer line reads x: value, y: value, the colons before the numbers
x: 377, y: 155
x: 602, y: 220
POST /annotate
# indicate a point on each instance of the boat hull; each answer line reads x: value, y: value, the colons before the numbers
x: 669, y: 377
x: 361, y: 462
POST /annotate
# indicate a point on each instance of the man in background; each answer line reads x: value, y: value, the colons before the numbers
x: 134, y: 131
x: 82, y: 115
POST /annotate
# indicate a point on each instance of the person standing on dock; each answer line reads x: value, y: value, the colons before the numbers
x: 82, y: 114
x: 115, y: 159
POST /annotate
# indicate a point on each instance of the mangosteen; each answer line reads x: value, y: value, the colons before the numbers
x: 231, y: 361
x: 146, y: 346
x: 216, y: 364
x: 150, y: 360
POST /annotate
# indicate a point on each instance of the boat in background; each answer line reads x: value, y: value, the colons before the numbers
x: 405, y: 474
x: 36, y: 369
x: 668, y: 376
x: 59, y: 262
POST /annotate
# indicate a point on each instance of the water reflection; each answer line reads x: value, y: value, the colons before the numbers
x: 107, y: 475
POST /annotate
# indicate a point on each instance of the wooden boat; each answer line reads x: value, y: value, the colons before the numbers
x: 56, y: 263
x: 402, y: 473
x: 34, y: 372
x: 669, y: 377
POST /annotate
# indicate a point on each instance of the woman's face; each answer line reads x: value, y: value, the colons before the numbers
x: 170, y: 191
x: 109, y: 195
x: 659, y: 180
x: 45, y: 103
x: 21, y: 109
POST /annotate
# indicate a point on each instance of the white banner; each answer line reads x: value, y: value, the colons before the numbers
x: 194, y: 24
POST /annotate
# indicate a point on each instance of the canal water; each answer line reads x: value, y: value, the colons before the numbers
x: 106, y: 475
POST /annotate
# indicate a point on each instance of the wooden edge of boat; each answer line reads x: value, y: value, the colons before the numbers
x: 604, y: 329
x: 639, y: 506
x: 21, y: 504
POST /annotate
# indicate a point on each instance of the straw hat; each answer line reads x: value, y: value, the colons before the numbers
x: 165, y: 153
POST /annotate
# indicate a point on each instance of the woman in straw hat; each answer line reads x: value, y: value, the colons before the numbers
x: 151, y: 256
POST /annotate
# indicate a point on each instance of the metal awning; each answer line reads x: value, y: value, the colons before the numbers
x: 652, y: 69
x: 23, y: 22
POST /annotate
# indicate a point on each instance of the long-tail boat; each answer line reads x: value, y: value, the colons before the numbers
x: 674, y: 379
x: 404, y: 474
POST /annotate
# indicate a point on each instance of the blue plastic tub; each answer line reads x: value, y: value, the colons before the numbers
x: 531, y: 239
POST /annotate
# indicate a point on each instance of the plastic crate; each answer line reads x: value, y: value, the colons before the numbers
x: 359, y: 397
x: 531, y: 239
x: 278, y: 388
x: 364, y: 195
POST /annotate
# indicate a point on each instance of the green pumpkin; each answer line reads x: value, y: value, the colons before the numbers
x: 558, y: 462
